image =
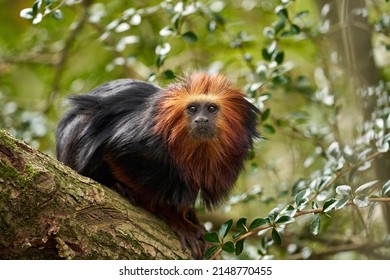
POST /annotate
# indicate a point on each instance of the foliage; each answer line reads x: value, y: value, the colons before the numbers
x: 314, y: 173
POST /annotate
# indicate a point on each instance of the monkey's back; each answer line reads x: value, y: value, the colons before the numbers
x: 106, y: 114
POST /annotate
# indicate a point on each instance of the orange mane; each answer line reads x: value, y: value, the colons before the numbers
x: 212, y: 165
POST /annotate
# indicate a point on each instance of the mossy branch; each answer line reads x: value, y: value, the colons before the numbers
x: 48, y: 211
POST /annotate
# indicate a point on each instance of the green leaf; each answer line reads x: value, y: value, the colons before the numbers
x: 276, y: 237
x: 281, y: 123
x: 160, y: 60
x: 266, y: 55
x: 280, y: 80
x: 301, y: 14
x: 257, y: 223
x: 238, y: 234
x: 341, y: 202
x: 303, y: 194
x: 225, y: 228
x: 175, y: 20
x: 279, y: 57
x: 265, y: 114
x: 280, y: 25
x: 58, y: 15
x: 329, y: 205
x: 210, y: 251
x: 273, y: 214
x: 366, y: 186
x: 262, y: 72
x: 190, y: 37
x: 282, y: 12
x: 36, y: 6
x: 285, y: 220
x: 344, y: 190
x: 213, y: 24
x: 386, y: 188
x: 295, y: 29
x: 315, y: 225
x: 241, y: 223
x: 239, y: 247
x: 269, y: 129
x: 212, y: 237
x: 228, y: 247
x: 168, y: 74
x: 289, y: 211
x: 269, y: 32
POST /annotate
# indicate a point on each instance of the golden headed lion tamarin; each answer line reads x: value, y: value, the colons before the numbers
x: 162, y: 148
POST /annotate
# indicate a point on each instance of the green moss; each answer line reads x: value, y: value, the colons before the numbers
x: 7, y: 139
x: 9, y: 173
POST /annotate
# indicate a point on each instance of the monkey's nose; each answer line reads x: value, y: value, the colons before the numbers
x: 201, y: 120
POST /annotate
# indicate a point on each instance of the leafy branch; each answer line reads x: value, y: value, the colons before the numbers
x: 279, y: 219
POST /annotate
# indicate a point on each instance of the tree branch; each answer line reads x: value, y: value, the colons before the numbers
x: 48, y: 211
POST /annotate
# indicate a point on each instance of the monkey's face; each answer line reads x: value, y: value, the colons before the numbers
x: 202, y: 119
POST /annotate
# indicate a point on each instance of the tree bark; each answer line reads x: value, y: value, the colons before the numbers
x: 48, y: 211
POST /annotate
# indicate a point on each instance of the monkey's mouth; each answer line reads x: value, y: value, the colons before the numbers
x: 202, y: 132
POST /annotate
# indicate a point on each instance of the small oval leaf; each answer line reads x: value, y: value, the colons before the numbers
x: 301, y: 195
x: 239, y: 247
x: 366, y: 186
x: 343, y: 190
x: 210, y: 251
x: 58, y: 15
x: 315, y: 225
x: 269, y: 128
x: 190, y: 37
x: 241, y: 224
x: 265, y: 114
x: 257, y: 222
x: 295, y: 29
x: 228, y: 247
x: 276, y: 237
x: 329, y: 205
x: 168, y: 74
x: 212, y: 237
x: 285, y: 220
x: 225, y: 228
x: 341, y: 203
x: 279, y: 57
x: 27, y: 13
x: 386, y: 188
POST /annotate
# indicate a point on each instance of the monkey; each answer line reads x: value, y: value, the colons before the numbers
x: 162, y: 148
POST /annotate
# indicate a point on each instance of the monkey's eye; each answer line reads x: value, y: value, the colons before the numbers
x: 212, y: 109
x: 191, y: 109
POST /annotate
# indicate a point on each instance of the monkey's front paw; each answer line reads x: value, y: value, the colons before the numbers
x: 193, y: 237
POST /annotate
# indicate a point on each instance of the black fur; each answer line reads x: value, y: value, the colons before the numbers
x: 116, y: 119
